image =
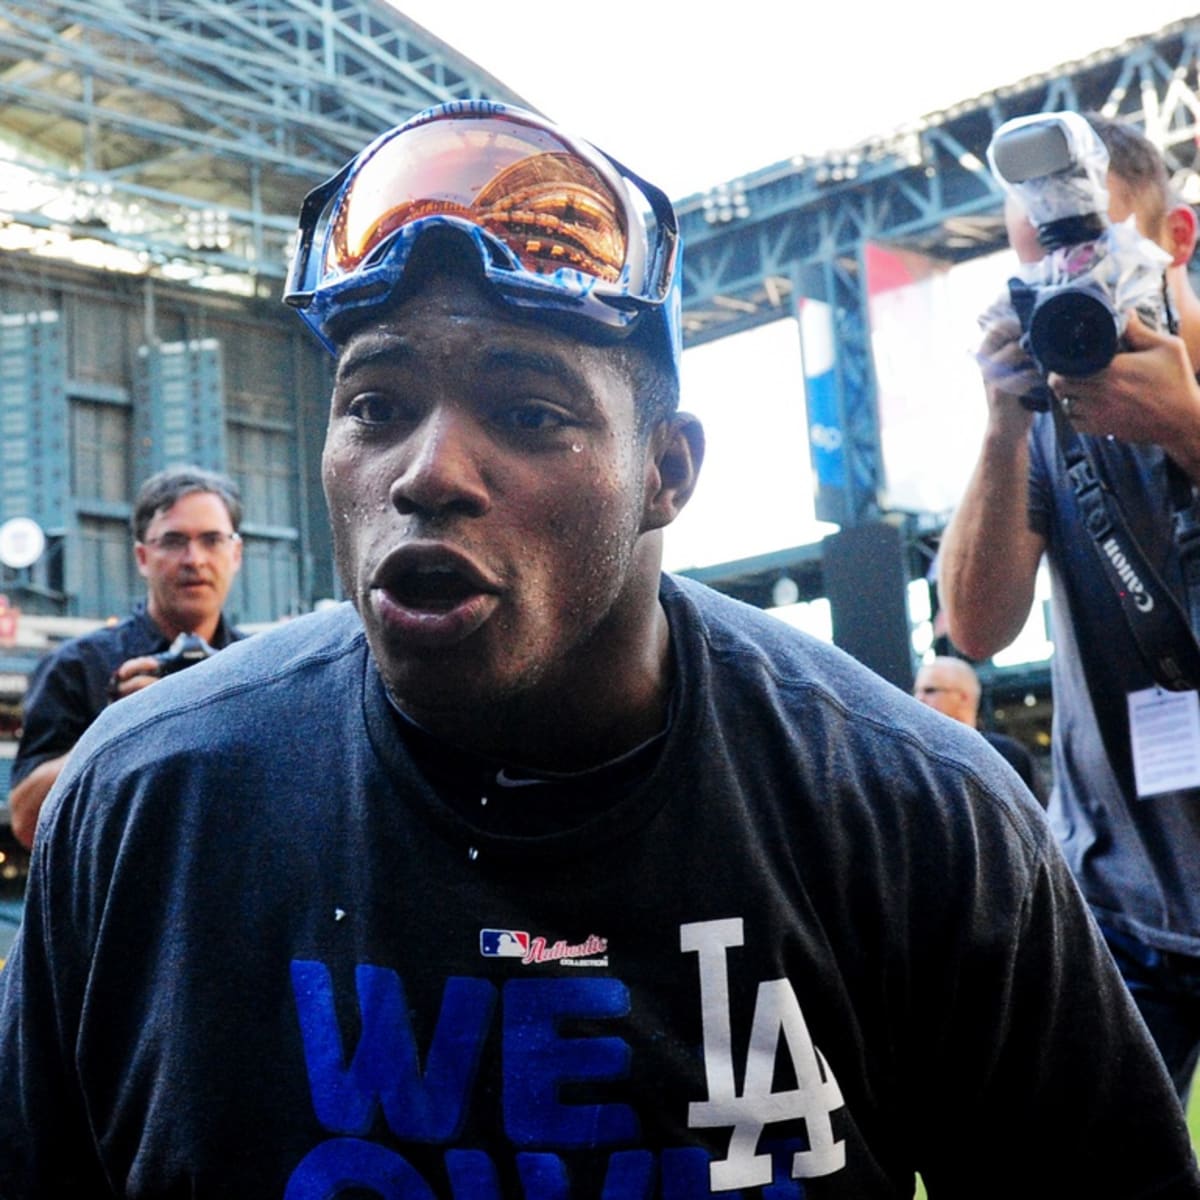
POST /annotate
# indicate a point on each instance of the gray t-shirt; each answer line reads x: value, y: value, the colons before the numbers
x: 1136, y: 860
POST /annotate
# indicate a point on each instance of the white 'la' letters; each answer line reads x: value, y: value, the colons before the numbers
x: 776, y: 1015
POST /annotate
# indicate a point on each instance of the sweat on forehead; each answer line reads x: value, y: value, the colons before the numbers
x: 445, y: 262
x: 451, y: 330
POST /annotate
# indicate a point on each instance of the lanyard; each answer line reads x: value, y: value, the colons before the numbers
x: 1163, y: 632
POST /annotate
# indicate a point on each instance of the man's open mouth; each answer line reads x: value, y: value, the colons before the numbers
x: 432, y: 589
x: 433, y: 594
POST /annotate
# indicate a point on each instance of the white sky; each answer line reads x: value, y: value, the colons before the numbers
x: 691, y: 96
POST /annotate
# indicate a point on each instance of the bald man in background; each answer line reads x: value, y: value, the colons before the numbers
x: 951, y: 686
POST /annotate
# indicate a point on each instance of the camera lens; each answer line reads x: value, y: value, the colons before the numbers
x: 1073, y: 331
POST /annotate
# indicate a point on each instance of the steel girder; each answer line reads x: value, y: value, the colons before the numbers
x: 755, y: 246
x: 165, y: 108
x: 926, y: 186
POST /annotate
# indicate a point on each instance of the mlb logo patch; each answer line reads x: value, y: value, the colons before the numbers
x: 503, y: 943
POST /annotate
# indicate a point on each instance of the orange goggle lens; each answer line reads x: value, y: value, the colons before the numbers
x: 559, y: 225
x: 539, y: 196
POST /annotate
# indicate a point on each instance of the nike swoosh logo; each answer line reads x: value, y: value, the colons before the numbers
x: 505, y: 780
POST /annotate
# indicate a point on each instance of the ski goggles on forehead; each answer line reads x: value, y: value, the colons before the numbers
x: 559, y: 225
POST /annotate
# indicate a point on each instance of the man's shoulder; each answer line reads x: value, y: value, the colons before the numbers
x: 109, y: 633
x: 257, y: 719
x: 293, y: 644
x: 815, y: 702
x: 100, y: 648
x: 276, y: 657
x: 726, y: 621
x: 745, y: 641
x: 287, y: 666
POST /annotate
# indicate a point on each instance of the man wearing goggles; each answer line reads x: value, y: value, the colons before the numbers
x: 551, y: 875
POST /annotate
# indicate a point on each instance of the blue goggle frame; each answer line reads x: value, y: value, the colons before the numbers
x: 322, y: 296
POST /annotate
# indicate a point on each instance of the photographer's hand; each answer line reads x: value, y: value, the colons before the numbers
x: 131, y: 676
x: 1008, y: 372
x: 1148, y: 393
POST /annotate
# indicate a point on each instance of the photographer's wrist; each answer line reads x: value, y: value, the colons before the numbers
x: 1008, y: 419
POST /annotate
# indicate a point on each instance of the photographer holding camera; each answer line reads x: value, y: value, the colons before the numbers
x: 1102, y: 481
x: 185, y: 527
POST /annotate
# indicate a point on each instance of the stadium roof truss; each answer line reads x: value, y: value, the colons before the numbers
x: 756, y: 246
x: 754, y: 243
x: 178, y: 137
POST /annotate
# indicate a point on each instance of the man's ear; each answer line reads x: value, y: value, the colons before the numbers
x: 1179, y: 231
x: 674, y: 454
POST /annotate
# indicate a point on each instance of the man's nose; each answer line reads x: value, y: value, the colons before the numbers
x: 440, y: 468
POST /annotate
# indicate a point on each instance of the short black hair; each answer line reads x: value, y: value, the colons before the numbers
x: 164, y: 489
x: 1135, y: 159
x: 645, y: 355
x: 655, y: 384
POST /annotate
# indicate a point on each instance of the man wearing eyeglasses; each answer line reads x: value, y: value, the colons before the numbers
x: 530, y: 871
x: 185, y: 529
x: 951, y: 686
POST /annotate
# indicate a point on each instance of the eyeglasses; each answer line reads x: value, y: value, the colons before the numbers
x: 175, y: 543
x: 558, y: 224
x: 929, y: 690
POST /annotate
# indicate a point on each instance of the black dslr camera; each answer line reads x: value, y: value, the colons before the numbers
x: 185, y: 651
x: 1072, y: 304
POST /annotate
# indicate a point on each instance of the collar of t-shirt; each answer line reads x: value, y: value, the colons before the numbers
x: 502, y: 798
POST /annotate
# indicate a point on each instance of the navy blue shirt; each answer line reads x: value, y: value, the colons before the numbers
x: 821, y: 942
x: 69, y: 689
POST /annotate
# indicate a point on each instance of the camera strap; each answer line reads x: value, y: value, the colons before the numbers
x: 1163, y: 632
